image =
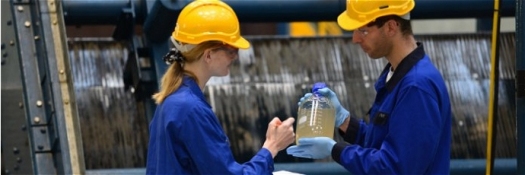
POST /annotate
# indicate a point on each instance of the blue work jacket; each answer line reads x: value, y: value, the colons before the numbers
x: 187, y: 138
x: 409, y: 128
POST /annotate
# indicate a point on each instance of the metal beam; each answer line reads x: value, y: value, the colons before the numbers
x: 71, y: 152
x: 16, y: 153
x: 54, y: 132
x: 35, y: 89
x: 520, y: 84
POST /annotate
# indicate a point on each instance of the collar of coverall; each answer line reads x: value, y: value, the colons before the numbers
x: 406, y: 64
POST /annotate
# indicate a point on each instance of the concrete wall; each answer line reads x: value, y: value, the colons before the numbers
x: 448, y: 26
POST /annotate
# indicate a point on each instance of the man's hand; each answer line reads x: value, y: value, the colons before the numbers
x: 340, y: 113
x: 312, y: 148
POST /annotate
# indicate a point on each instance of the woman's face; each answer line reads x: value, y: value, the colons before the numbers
x: 221, y: 58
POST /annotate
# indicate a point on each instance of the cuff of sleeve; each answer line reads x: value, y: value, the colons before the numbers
x: 352, y: 130
x: 268, y: 156
x: 337, y: 150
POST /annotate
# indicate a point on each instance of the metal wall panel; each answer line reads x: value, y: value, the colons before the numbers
x: 16, y: 151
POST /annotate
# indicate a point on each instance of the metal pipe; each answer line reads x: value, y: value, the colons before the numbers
x: 520, y: 84
x: 100, y: 12
x: 493, y: 95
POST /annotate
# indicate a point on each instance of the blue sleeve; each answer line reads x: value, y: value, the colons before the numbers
x: 356, y: 131
x: 410, y: 144
x: 209, y: 149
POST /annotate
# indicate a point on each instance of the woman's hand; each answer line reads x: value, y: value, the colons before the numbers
x: 279, y: 135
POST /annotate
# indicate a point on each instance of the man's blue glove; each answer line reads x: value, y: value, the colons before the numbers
x: 340, y: 113
x: 312, y: 148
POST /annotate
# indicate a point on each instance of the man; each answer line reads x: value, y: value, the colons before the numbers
x: 410, y: 120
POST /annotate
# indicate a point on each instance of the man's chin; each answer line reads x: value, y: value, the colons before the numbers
x: 374, y: 57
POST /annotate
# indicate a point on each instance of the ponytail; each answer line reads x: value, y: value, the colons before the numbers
x: 172, y: 79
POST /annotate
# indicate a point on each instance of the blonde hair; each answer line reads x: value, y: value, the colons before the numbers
x: 172, y: 78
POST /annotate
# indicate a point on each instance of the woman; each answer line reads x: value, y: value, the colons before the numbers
x: 185, y: 135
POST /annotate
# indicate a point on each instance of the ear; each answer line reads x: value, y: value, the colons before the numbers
x: 392, y: 27
x: 207, y: 55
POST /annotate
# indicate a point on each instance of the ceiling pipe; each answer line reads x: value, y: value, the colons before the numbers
x: 160, y: 20
x: 107, y: 12
x: 101, y: 12
x: 323, y: 10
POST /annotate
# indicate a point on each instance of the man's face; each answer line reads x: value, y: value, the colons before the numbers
x: 372, y: 40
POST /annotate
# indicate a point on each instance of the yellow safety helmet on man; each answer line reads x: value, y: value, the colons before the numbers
x: 361, y: 12
x: 209, y: 20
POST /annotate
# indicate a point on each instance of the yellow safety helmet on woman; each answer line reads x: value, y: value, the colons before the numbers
x: 209, y: 20
x: 361, y: 12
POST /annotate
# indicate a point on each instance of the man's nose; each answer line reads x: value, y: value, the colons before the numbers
x: 356, y: 38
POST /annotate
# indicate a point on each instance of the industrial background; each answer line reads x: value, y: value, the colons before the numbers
x: 78, y: 75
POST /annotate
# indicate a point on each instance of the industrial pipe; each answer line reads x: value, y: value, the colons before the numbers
x: 99, y: 12
x: 494, y: 86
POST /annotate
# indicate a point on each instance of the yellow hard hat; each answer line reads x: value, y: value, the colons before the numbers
x: 209, y: 20
x: 361, y: 12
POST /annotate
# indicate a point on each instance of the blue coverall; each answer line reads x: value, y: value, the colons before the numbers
x: 186, y: 138
x: 409, y: 129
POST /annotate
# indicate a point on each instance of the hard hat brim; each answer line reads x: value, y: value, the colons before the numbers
x: 241, y: 43
x: 348, y: 23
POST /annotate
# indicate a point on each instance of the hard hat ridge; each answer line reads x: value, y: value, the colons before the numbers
x: 358, y: 13
x: 209, y: 20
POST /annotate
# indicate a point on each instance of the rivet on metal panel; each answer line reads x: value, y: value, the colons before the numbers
x: 66, y: 102
x: 61, y: 71
x: 20, y: 104
x: 9, y: 22
x: 4, y: 54
x: 37, y: 37
x: 24, y: 127
x: 20, y: 8
x: 40, y: 147
x: 55, y: 22
x: 7, y: 171
x: 36, y: 119
x: 27, y: 24
x: 39, y: 103
x: 11, y: 42
x: 16, y: 168
x: 43, y: 131
x: 475, y: 76
x: 18, y: 159
x: 16, y: 150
